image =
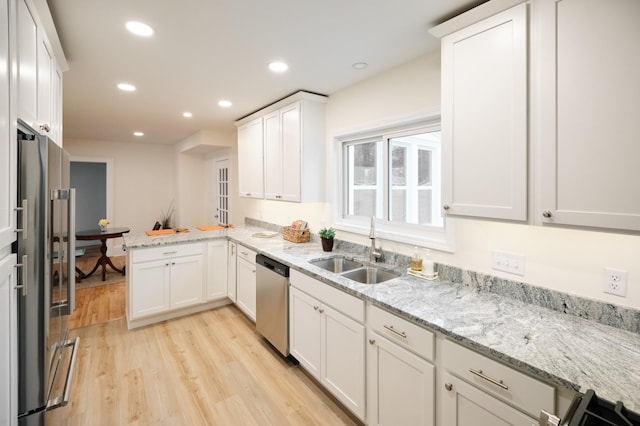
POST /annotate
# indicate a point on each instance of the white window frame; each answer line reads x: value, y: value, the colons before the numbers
x: 432, y: 237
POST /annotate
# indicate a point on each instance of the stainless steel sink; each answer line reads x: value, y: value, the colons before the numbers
x: 337, y: 264
x: 370, y: 275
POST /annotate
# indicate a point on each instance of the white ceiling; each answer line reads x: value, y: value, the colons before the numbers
x: 207, y: 50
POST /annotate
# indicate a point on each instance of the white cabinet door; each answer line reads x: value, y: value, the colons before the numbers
x: 250, y: 159
x: 343, y: 359
x: 305, y: 336
x: 27, y: 57
x: 217, y: 269
x: 272, y: 157
x: 232, y: 267
x: 45, y: 74
x: 150, y: 288
x: 246, y: 288
x: 484, y: 118
x: 8, y: 142
x: 8, y: 342
x: 587, y: 125
x: 56, y: 104
x: 291, y: 137
x: 187, y: 281
x: 400, y: 385
x: 465, y: 405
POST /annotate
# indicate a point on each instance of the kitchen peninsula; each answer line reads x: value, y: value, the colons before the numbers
x: 561, y: 350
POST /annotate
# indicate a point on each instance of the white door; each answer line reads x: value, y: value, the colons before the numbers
x: 343, y: 359
x: 246, y: 288
x: 150, y: 294
x: 187, y: 281
x: 222, y: 191
x: 7, y: 142
x: 400, y: 385
x: 305, y: 330
x: 217, y: 269
x: 8, y: 342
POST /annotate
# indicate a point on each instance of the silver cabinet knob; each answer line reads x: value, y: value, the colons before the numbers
x: 446, y: 207
x: 546, y: 214
x: 448, y: 386
x: 372, y: 341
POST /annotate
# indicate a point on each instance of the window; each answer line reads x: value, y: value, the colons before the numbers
x: 393, y: 173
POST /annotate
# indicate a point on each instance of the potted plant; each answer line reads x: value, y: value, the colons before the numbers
x: 326, y: 236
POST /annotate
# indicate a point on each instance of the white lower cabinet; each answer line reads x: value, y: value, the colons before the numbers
x: 231, y: 271
x: 164, y: 282
x: 8, y: 342
x: 466, y: 405
x: 479, y: 391
x: 246, y: 281
x: 217, y: 269
x: 327, y: 337
x: 400, y: 383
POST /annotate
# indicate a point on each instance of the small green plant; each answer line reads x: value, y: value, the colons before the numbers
x: 327, y: 233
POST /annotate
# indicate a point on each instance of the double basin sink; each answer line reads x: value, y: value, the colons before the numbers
x: 354, y: 270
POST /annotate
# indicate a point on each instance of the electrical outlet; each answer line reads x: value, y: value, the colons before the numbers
x: 614, y: 281
x: 507, y: 262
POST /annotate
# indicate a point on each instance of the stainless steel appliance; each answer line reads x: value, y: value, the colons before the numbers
x: 272, y: 302
x: 45, y: 246
x: 587, y: 409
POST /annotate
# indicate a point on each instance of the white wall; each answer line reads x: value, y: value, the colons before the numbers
x: 143, y: 179
x: 566, y: 260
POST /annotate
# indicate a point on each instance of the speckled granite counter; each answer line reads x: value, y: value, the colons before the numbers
x: 564, y: 349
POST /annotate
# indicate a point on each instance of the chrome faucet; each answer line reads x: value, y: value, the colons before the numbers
x: 375, y: 254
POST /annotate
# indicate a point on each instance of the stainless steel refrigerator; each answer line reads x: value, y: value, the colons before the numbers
x: 46, y: 276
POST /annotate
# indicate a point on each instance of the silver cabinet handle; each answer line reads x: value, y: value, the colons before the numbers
x: 25, y: 218
x: 315, y: 308
x: 24, y: 268
x: 446, y: 207
x: 244, y: 253
x: 480, y: 374
x: 45, y: 127
x: 546, y: 214
x: 448, y: 386
x: 169, y: 252
x: 321, y: 311
x: 372, y: 341
x: 393, y: 330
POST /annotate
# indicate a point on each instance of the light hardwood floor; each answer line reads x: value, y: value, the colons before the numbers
x: 210, y: 368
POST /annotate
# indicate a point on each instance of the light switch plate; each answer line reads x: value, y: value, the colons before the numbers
x: 512, y: 263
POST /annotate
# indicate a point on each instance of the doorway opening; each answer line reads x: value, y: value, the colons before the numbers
x: 222, y: 191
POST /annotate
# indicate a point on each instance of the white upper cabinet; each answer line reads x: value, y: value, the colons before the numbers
x: 250, y: 159
x: 27, y: 51
x: 39, y: 71
x: 484, y: 116
x: 294, y: 149
x: 587, y: 129
x: 8, y: 142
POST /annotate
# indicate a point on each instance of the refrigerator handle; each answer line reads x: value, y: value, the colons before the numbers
x: 71, y: 241
x: 24, y: 268
x: 25, y: 216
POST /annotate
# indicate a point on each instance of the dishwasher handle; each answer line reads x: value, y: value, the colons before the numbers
x: 273, y: 265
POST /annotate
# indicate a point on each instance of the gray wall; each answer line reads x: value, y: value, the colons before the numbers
x: 90, y: 181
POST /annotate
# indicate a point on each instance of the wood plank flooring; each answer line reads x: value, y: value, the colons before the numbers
x: 98, y: 304
x: 209, y: 368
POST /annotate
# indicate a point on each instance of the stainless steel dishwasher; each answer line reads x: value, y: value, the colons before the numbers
x: 272, y: 302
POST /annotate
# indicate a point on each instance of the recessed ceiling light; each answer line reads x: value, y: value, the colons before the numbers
x: 139, y: 28
x: 224, y: 103
x: 187, y: 114
x: 127, y: 87
x: 139, y: 134
x: 360, y: 65
x: 278, y: 66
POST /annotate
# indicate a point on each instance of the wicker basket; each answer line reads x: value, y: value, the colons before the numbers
x: 295, y: 236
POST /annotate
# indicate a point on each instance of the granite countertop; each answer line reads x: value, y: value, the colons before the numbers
x: 564, y: 349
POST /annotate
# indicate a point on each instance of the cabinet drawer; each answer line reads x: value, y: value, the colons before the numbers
x: 401, y: 331
x: 247, y: 254
x: 162, y: 252
x: 513, y: 387
x: 343, y: 302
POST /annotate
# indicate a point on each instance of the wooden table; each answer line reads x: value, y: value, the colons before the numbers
x: 103, y: 236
